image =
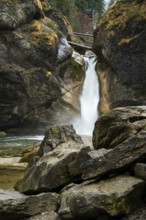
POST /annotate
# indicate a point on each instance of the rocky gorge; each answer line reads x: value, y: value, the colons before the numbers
x: 37, y: 79
x: 66, y: 178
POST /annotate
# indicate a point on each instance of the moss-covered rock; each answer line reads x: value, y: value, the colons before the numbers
x: 29, y: 152
x: 33, y: 46
x: 119, y: 42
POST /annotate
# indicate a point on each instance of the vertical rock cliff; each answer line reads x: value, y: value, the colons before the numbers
x: 33, y: 63
x: 119, y: 42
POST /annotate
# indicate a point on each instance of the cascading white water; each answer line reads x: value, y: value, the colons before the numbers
x: 89, y: 98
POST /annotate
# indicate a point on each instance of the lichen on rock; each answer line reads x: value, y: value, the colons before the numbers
x: 33, y: 46
x: 119, y: 42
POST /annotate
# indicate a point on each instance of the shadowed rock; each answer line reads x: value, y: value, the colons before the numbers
x: 119, y: 43
x: 140, y: 170
x: 117, y: 125
x: 112, y: 197
x: 35, y: 58
x: 14, y: 205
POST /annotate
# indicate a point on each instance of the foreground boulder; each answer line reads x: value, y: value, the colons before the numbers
x: 51, y: 169
x: 63, y: 161
x: 112, y: 197
x: 14, y: 205
x: 117, y: 125
x: 123, y: 130
x: 119, y: 42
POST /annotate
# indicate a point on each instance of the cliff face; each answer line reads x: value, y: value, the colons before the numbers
x: 33, y: 42
x: 119, y: 42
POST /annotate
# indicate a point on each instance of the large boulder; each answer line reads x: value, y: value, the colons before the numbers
x: 117, y: 125
x: 14, y: 205
x: 51, y: 170
x: 34, y: 55
x: 112, y: 197
x: 119, y: 42
x: 122, y: 135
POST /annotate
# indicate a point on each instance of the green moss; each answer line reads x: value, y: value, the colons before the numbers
x: 76, y: 70
x: 2, y: 133
x: 127, y: 40
x: 126, y: 10
x: 38, y: 4
x: 56, y: 129
x: 115, y: 206
x: 11, y: 152
x: 29, y: 152
x: 42, y: 32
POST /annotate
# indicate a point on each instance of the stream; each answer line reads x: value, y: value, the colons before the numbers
x: 13, y: 143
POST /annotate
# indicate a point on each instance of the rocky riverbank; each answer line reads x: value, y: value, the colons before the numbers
x: 104, y: 182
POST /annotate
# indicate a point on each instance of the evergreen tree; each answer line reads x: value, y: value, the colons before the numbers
x: 80, y: 12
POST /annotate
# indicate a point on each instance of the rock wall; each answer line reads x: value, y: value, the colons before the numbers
x: 34, y: 57
x: 119, y: 42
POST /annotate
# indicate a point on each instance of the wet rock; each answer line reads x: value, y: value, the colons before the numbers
x: 2, y: 133
x: 119, y: 42
x: 51, y: 170
x: 140, y: 170
x: 13, y: 151
x: 14, y: 205
x: 112, y: 197
x: 29, y: 152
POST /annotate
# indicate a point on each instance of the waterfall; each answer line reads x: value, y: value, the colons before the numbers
x: 89, y: 98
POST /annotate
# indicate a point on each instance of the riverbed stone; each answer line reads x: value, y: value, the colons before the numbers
x: 51, y: 170
x: 111, y: 197
x: 14, y: 205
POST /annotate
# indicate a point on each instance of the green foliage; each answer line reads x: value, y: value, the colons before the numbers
x: 81, y: 4
x: 78, y: 11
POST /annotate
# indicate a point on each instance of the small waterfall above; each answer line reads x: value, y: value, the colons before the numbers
x: 89, y: 98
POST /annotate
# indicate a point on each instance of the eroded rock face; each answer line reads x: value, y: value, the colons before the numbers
x: 120, y: 45
x: 101, y: 199
x: 117, y: 125
x: 32, y: 48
